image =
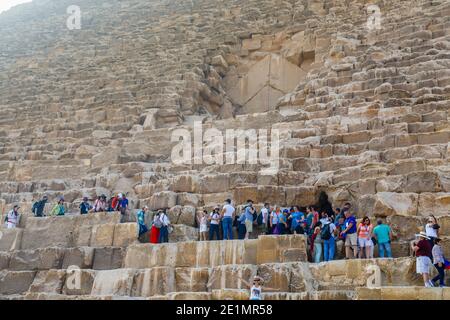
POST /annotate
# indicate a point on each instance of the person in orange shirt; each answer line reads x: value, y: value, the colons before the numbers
x: 365, y: 238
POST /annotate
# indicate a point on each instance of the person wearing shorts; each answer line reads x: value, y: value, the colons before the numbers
x: 365, y: 239
x: 351, y: 239
x: 423, y: 250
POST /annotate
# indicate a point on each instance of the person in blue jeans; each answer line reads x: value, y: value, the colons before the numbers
x: 227, y: 214
x: 329, y: 242
x: 164, y: 230
x: 241, y: 227
x: 383, y: 234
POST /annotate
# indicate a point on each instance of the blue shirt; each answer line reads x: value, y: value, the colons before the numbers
x: 248, y: 214
x: 296, y: 216
x: 123, y: 203
x: 382, y: 233
x: 241, y: 219
x: 141, y: 217
x: 349, y: 220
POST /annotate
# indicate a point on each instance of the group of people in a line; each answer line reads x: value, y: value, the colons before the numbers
x: 160, y: 225
x: 428, y: 251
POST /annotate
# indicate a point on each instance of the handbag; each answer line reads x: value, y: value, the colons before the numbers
x: 436, y: 226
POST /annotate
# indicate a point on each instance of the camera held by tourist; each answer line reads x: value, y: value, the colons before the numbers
x: 327, y: 234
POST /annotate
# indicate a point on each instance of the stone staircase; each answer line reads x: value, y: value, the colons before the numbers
x: 363, y: 115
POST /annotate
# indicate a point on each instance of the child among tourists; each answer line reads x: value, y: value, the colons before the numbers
x: 256, y: 287
x: 203, y: 221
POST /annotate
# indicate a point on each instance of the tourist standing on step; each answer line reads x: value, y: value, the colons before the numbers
x: 439, y: 262
x: 327, y: 235
x: 85, y: 206
x: 365, y: 238
x: 264, y: 218
x: 316, y: 240
x: 59, y: 209
x: 422, y: 248
x: 203, y: 222
x: 228, y: 213
x: 298, y: 217
x: 351, y: 238
x: 122, y: 205
x: 214, y: 219
x: 249, y: 211
x: 432, y: 229
x: 156, y: 227
x: 141, y: 220
x: 39, y: 206
x: 383, y: 234
x: 241, y: 226
x: 164, y: 231
x: 100, y: 205
x: 282, y: 222
x: 274, y: 220
x: 12, y: 219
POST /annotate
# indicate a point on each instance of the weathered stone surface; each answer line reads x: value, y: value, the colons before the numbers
x: 15, y: 282
x: 113, y: 282
x: 82, y: 257
x: 108, y: 258
x: 50, y: 281
x: 125, y: 234
x: 41, y: 259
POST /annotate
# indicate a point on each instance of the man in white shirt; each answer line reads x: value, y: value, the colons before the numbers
x: 228, y: 213
x: 13, y: 218
x: 164, y: 230
x: 265, y: 216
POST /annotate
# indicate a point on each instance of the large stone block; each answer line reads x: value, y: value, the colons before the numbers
x: 161, y: 200
x: 113, y: 282
x: 278, y: 248
x: 154, y: 281
x: 436, y: 203
x: 40, y: 259
x: 50, y: 281
x: 81, y: 257
x: 102, y: 235
x: 182, y: 215
x: 11, y: 239
x: 15, y: 282
x: 78, y: 282
x: 229, y: 276
x: 191, y: 279
x: 389, y: 203
x: 418, y: 182
x: 230, y: 294
x: 125, y: 234
x: 108, y: 258
x: 4, y: 260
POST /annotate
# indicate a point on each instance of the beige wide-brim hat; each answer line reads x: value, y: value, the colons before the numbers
x: 423, y: 235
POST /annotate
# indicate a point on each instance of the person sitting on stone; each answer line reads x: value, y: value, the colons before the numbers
x: 256, y: 287
x: 85, y: 206
x: 12, y: 219
x: 39, y: 206
x: 59, y: 209
x: 100, y: 204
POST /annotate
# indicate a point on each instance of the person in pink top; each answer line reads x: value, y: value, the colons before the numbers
x: 365, y: 238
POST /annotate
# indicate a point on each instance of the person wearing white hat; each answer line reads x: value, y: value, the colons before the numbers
x: 422, y: 249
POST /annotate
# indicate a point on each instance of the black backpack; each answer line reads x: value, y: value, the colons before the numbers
x: 259, y: 219
x: 325, y: 233
x: 34, y: 207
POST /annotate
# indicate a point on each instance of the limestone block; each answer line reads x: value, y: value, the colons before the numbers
x: 11, y: 239
x: 363, y: 293
x: 188, y: 199
x: 251, y: 44
x: 182, y: 232
x: 231, y: 294
x: 391, y: 184
x: 50, y: 281
x: 182, y: 215
x: 229, y: 276
x: 15, y: 282
x: 215, y: 183
x: 276, y: 276
x: 85, y: 280
x: 4, y: 260
x: 433, y: 138
x: 108, y: 258
x: 444, y: 222
x: 82, y: 257
x: 154, y: 281
x: 389, y: 203
x: 160, y: 200
x: 423, y: 181
x: 102, y: 235
x: 191, y: 279
x: 273, y: 248
x: 437, y: 203
x: 405, y: 227
x: 300, y: 195
x: 40, y: 259
x: 113, y: 282
x: 183, y: 183
x: 125, y: 234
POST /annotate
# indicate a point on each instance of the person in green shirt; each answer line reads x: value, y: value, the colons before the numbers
x: 59, y: 209
x: 383, y: 234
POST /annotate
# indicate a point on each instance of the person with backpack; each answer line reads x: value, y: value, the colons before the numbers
x: 85, y: 206
x: 327, y: 235
x: 12, y: 219
x: 164, y: 230
x: 59, y: 209
x: 365, y: 238
x: 38, y: 207
x: 156, y: 226
x: 214, y: 218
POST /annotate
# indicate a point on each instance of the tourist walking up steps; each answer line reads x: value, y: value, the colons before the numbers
x: 383, y: 234
x: 12, y: 219
x: 39, y: 206
x: 228, y: 213
x: 422, y: 249
x: 439, y: 262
